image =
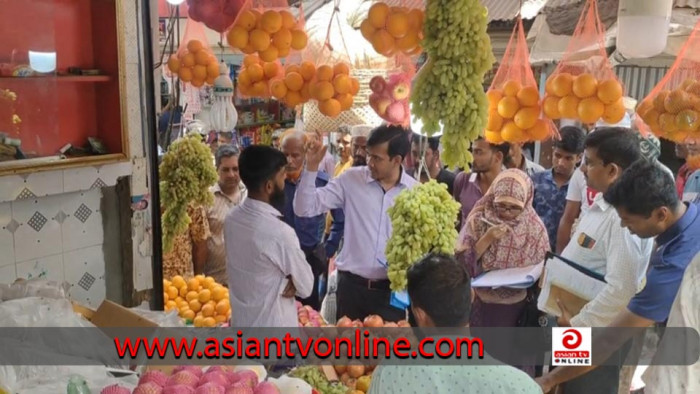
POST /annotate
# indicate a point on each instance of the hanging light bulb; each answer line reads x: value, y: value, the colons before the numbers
x: 642, y: 28
x: 223, y: 115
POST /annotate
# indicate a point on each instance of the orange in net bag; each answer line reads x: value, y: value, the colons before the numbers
x: 268, y: 28
x: 194, y: 62
x: 672, y: 109
x: 256, y: 77
x: 395, y: 27
x: 514, y: 101
x: 293, y: 87
x: 584, y: 86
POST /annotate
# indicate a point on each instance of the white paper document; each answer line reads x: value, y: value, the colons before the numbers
x: 572, y: 286
x: 516, y: 278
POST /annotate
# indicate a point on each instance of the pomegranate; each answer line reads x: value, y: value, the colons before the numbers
x: 357, y: 323
x: 373, y: 321
x: 340, y: 369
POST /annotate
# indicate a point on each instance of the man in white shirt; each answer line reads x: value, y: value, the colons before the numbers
x: 441, y: 297
x: 602, y: 245
x: 265, y: 265
x: 365, y: 194
x: 517, y: 159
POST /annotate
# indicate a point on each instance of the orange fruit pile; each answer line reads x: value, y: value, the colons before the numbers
x: 393, y: 30
x: 255, y: 77
x: 583, y: 97
x: 199, y: 300
x: 674, y: 114
x: 294, y: 88
x: 272, y: 34
x: 514, y: 114
x: 197, y: 65
x: 334, y: 89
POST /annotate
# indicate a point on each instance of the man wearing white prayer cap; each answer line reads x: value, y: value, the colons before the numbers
x: 359, y: 134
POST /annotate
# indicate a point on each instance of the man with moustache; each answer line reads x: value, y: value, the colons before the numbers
x: 228, y: 192
x: 359, y: 134
x: 433, y: 167
x: 309, y: 230
x: 266, y: 267
x: 488, y: 162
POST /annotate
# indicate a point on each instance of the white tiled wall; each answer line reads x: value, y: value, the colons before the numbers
x: 56, y: 237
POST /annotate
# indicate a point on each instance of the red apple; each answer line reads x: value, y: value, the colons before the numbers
x: 403, y: 323
x: 377, y: 84
x: 390, y: 325
x: 344, y: 322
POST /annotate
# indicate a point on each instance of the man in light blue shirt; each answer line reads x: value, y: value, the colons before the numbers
x: 365, y: 194
x: 441, y: 297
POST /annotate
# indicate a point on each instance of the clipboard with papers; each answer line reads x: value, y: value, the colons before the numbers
x: 573, y: 284
x: 513, y: 278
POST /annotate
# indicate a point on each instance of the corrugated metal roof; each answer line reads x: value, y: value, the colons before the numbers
x: 639, y: 81
x: 505, y: 10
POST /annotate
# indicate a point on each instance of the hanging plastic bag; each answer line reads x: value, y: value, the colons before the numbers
x: 584, y: 86
x: 269, y: 29
x: 514, y: 100
x: 672, y: 109
x: 217, y: 15
x: 194, y: 62
x: 395, y: 27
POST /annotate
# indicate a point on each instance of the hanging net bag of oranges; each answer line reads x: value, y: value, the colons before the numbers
x: 194, y: 62
x: 344, y: 63
x: 584, y: 86
x: 672, y: 109
x: 514, y: 101
x: 395, y: 27
x: 268, y: 29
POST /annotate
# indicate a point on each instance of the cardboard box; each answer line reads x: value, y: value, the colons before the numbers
x: 111, y: 314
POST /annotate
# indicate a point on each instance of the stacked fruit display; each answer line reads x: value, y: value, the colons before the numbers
x: 423, y: 220
x: 199, y: 300
x: 448, y: 93
x: 674, y: 114
x: 314, y: 376
x: 389, y: 98
x: 194, y: 380
x: 255, y: 76
x: 514, y: 114
x: 197, y: 65
x: 272, y: 34
x: 308, y: 317
x: 584, y: 98
x: 393, y: 30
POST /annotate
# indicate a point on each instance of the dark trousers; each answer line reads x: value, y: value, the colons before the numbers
x: 319, y: 265
x: 359, y: 297
x: 603, y: 380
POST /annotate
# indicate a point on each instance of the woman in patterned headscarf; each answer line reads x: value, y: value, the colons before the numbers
x: 502, y: 231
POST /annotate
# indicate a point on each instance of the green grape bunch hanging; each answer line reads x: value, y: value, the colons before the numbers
x: 423, y: 221
x: 186, y: 172
x: 448, y: 90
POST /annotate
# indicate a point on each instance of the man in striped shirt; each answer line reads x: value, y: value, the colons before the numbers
x: 228, y: 193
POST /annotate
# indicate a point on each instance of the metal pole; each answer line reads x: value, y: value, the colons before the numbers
x: 152, y: 153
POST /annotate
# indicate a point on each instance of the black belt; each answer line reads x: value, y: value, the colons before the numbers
x: 376, y: 284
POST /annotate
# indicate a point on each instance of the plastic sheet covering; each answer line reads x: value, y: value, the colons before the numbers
x: 33, y: 288
x: 162, y: 319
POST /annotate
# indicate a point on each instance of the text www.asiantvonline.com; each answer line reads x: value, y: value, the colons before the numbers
x: 359, y: 347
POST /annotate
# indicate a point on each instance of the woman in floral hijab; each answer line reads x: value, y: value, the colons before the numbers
x: 502, y: 231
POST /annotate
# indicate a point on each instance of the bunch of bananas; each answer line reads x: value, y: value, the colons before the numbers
x: 186, y: 173
x: 423, y: 220
x: 448, y: 90
x: 266, y: 132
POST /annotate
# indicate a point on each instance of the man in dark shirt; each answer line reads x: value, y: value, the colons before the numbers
x: 432, y: 168
x: 646, y: 201
x: 552, y: 185
x: 309, y: 230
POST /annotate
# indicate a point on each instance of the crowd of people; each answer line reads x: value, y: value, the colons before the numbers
x: 295, y: 223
